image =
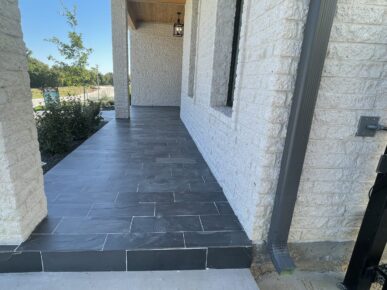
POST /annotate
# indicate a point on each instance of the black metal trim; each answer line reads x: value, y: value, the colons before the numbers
x: 371, y: 239
x: 314, y: 48
x: 234, y: 52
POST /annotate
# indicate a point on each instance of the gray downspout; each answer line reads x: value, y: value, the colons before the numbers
x: 314, y: 48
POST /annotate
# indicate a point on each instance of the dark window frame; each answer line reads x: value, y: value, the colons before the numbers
x: 234, y: 52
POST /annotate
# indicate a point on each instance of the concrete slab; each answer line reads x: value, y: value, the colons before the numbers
x: 229, y: 279
x: 301, y: 281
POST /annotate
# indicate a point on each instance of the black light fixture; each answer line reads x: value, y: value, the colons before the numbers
x: 178, y: 27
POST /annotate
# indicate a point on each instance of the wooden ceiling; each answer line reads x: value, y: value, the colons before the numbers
x: 162, y: 11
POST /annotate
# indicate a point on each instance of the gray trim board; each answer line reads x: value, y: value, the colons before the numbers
x: 314, y: 48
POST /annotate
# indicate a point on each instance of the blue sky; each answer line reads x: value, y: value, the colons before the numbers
x: 41, y: 19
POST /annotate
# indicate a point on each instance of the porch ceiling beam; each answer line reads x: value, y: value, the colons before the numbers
x: 170, y: 2
x: 131, y: 18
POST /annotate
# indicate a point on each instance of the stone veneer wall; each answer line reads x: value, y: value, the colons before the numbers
x: 155, y: 64
x: 339, y: 167
x: 22, y: 199
x: 244, y: 147
x: 120, y: 58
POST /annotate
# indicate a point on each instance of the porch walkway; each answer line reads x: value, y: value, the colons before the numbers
x: 135, y: 196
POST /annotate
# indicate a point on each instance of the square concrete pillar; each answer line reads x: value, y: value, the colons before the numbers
x: 120, y: 58
x: 22, y: 199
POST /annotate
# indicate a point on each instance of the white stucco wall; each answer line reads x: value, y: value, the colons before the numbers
x: 155, y: 63
x: 22, y: 200
x: 244, y: 149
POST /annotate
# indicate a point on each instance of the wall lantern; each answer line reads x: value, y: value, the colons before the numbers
x: 178, y: 27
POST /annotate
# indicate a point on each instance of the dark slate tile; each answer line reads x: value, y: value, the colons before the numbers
x: 166, y: 224
x: 47, y: 225
x: 86, y: 197
x: 93, y: 225
x: 144, y: 241
x: 51, y: 197
x: 7, y: 248
x: 116, y: 186
x: 84, y: 261
x: 208, y: 186
x: 124, y: 197
x: 200, y: 196
x: 226, y: 258
x: 150, y: 260
x: 220, y: 223
x: 167, y: 185
x: 63, y: 242
x: 185, y: 208
x: 68, y: 210
x: 215, y: 239
x: 224, y: 207
x: 20, y: 262
x: 177, y: 160
x: 117, y: 210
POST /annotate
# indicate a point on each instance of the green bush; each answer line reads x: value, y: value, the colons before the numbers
x: 62, y: 123
x: 107, y: 103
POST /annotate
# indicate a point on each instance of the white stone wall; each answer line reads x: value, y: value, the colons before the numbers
x: 120, y: 58
x: 22, y: 199
x: 340, y: 168
x: 155, y: 64
x: 244, y: 147
x: 189, y: 42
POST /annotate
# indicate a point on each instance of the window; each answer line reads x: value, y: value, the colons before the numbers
x: 234, y: 52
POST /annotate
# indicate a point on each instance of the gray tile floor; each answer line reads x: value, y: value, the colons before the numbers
x: 138, y: 184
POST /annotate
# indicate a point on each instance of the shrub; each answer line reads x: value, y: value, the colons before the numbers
x: 107, y: 103
x: 62, y: 123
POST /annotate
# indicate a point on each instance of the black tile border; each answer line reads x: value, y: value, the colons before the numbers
x: 84, y: 261
x: 127, y: 260
x: 229, y: 258
x: 19, y: 262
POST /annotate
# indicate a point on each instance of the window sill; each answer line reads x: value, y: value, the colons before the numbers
x: 224, y: 110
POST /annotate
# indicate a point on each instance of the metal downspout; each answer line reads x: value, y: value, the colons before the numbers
x: 314, y: 48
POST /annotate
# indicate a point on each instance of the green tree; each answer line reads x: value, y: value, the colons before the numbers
x: 107, y: 79
x: 74, y: 61
x: 40, y: 73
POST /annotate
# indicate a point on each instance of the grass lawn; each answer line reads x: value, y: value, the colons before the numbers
x: 63, y: 92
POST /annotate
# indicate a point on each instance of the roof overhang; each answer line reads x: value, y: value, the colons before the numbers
x: 160, y: 11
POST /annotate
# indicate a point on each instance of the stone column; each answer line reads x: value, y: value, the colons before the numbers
x: 22, y: 200
x: 120, y: 58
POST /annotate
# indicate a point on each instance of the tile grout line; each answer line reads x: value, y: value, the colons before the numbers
x: 206, y: 258
x: 91, y: 207
x: 56, y: 227
x: 104, y: 243
x: 126, y: 260
x: 130, y: 226
x: 216, y: 207
x: 201, y: 224
x: 185, y: 246
x: 41, y: 260
x: 115, y: 200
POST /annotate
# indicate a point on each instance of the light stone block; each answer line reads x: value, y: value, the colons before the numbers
x: 22, y: 201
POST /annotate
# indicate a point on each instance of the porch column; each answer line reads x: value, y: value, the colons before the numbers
x: 120, y: 58
x: 22, y: 200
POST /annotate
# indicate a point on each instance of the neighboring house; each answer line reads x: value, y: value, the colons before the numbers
x: 235, y: 84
